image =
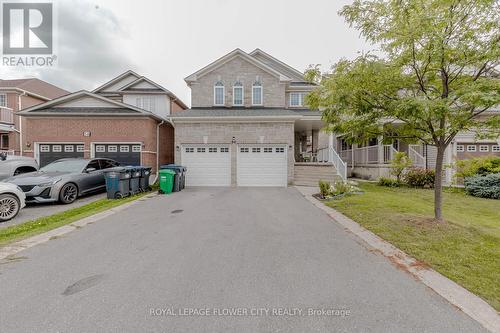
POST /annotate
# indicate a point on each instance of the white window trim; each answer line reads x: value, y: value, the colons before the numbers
x: 301, y: 99
x: 460, y: 148
x: 472, y: 149
x: 261, y: 94
x: 242, y: 95
x: 223, y: 95
x: 485, y: 150
x: 495, y: 148
x: 5, y: 100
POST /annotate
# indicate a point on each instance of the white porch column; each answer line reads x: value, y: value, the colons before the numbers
x: 330, y: 147
x: 380, y: 145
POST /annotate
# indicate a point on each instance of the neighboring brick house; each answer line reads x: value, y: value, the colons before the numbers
x: 125, y: 119
x: 14, y: 96
x: 248, y: 125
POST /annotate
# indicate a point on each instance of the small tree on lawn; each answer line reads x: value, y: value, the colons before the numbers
x: 437, y: 76
x: 399, y: 164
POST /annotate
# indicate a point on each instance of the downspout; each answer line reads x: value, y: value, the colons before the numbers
x: 158, y: 150
x: 20, y: 123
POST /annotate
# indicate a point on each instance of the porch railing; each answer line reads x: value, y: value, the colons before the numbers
x: 416, y: 155
x: 368, y: 155
x: 329, y: 155
x: 6, y: 115
x: 7, y: 151
x: 389, y: 152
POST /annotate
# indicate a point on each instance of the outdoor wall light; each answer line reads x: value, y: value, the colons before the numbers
x: 233, y: 140
x: 178, y: 148
x: 28, y: 144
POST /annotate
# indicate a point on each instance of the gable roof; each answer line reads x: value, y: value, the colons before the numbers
x: 127, y: 87
x: 277, y: 64
x: 231, y: 55
x: 116, y: 80
x: 35, y: 87
x: 114, y: 108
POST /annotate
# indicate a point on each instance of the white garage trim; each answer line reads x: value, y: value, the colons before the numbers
x: 94, y: 144
x: 262, y: 165
x: 207, y: 164
x: 36, y: 152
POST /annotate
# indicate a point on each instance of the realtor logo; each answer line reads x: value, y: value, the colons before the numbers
x: 27, y: 28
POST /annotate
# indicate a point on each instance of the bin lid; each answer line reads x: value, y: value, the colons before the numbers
x: 116, y: 169
x: 166, y: 172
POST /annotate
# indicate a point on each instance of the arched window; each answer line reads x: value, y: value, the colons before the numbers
x: 238, y: 94
x: 257, y: 93
x: 219, y: 93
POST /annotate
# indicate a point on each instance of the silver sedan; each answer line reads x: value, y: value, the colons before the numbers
x: 64, y: 180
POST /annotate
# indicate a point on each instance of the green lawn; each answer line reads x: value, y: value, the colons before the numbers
x: 466, y: 248
x: 37, y: 226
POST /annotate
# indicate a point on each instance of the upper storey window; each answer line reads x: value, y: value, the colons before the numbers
x: 219, y: 93
x: 297, y: 99
x: 257, y: 93
x: 3, y: 100
x: 238, y: 94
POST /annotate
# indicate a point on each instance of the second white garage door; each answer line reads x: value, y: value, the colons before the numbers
x: 262, y: 165
x: 207, y: 165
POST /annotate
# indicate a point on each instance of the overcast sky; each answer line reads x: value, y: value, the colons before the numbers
x: 166, y: 40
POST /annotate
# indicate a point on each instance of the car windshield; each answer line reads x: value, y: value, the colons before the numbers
x: 65, y: 166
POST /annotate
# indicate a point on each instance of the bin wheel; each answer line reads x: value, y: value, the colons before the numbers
x: 118, y: 195
x: 160, y: 192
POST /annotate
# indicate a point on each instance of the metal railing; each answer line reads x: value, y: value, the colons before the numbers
x: 329, y: 155
x: 339, y: 164
x: 389, y: 152
x: 6, y: 115
x: 415, y: 153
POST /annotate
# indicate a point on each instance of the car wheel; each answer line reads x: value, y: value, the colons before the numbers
x: 9, y: 207
x: 68, y: 193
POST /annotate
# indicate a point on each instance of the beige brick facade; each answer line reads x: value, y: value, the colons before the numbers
x: 243, y: 133
x: 238, y: 69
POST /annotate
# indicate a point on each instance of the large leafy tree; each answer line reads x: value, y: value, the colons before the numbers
x: 437, y: 74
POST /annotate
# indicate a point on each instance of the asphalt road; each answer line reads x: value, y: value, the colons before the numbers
x: 34, y: 210
x: 184, y: 262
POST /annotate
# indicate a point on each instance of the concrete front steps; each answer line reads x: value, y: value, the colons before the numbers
x: 309, y: 174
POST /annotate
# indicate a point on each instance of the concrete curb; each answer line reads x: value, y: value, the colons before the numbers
x: 458, y: 296
x: 21, y: 245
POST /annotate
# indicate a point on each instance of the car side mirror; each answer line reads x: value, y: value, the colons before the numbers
x: 90, y: 170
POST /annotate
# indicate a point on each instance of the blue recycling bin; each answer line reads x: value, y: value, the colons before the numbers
x: 117, y: 182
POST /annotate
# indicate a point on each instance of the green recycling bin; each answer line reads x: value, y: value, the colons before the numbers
x: 166, y: 180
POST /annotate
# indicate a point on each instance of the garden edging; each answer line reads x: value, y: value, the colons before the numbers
x: 472, y: 305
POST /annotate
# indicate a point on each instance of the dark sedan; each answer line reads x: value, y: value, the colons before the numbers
x: 64, y: 180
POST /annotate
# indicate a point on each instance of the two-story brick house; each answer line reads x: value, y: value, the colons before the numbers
x: 126, y: 119
x: 248, y: 125
x: 16, y: 95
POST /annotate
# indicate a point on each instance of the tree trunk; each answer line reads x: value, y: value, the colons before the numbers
x: 438, y: 184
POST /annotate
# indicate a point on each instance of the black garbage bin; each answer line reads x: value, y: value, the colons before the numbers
x: 178, y: 175
x: 144, y: 180
x: 117, y: 182
x: 181, y: 170
x: 135, y: 177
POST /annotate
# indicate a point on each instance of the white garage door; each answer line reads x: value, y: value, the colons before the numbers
x: 262, y: 165
x: 207, y: 165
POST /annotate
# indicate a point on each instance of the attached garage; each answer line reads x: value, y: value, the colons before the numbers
x: 49, y: 152
x: 207, y: 165
x: 125, y: 153
x: 262, y: 165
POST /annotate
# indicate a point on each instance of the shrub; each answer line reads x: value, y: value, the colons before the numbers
x: 399, y: 164
x: 324, y: 188
x: 389, y: 182
x: 478, y: 166
x: 341, y: 188
x: 483, y: 186
x: 418, y: 177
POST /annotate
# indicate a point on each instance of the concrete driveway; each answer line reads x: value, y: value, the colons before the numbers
x: 33, y: 210
x: 185, y: 262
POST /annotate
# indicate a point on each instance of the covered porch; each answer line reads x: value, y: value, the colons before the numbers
x: 372, y: 159
x: 315, y: 147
